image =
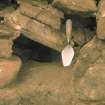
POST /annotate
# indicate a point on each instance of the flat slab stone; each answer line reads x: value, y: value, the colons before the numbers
x: 75, y: 5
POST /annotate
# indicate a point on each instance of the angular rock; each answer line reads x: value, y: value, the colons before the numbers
x: 45, y: 35
x: 101, y: 9
x: 101, y: 28
x: 8, y: 32
x: 6, y: 37
x: 37, y: 30
x: 8, y: 70
x: 101, y: 20
x: 76, y: 5
x: 15, y: 21
x: 51, y: 17
x: 89, y: 71
x: 5, y: 47
x: 45, y: 14
x: 92, y: 85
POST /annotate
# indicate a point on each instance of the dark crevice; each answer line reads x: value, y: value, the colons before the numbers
x: 80, y: 22
x: 86, y: 22
x: 50, y: 1
x: 90, y: 23
x: 97, y: 2
x: 27, y: 50
x: 85, y: 25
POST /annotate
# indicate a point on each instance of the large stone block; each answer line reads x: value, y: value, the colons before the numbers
x: 76, y: 5
x: 45, y: 35
x: 92, y: 85
x: 5, y: 47
x: 45, y: 14
x: 89, y: 72
x: 8, y: 70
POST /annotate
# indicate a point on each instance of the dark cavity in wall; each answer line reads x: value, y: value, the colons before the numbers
x: 79, y: 19
x: 27, y: 50
x: 83, y: 23
x: 6, y: 3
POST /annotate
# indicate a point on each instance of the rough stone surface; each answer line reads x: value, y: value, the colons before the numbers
x: 76, y: 5
x: 6, y: 37
x: 92, y: 84
x: 36, y: 84
x: 45, y: 14
x: 45, y: 35
x: 101, y: 20
x: 5, y: 47
x: 89, y: 71
x: 9, y: 69
x: 40, y: 26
